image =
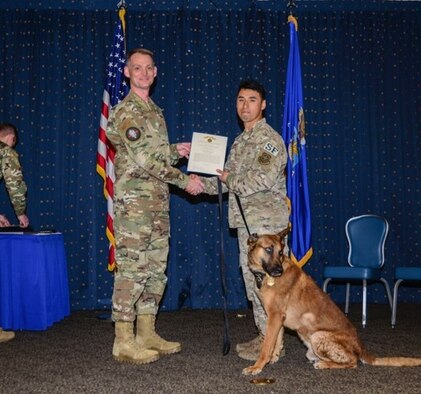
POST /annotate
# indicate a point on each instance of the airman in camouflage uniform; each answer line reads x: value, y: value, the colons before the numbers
x: 255, y: 172
x: 11, y: 172
x: 143, y: 170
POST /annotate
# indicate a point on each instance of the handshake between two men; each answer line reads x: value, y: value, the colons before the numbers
x: 196, y: 185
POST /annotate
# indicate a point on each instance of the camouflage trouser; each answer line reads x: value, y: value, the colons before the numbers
x: 259, y: 313
x: 141, y: 257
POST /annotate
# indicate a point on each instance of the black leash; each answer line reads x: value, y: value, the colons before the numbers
x: 227, y: 342
x: 242, y: 213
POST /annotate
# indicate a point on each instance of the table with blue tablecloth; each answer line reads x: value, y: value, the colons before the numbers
x: 34, y: 290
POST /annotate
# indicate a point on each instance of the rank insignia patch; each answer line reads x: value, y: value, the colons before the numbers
x: 132, y: 133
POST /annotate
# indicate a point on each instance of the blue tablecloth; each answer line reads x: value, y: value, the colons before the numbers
x: 34, y: 290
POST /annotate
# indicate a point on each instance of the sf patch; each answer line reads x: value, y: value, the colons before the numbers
x: 273, y: 150
x: 133, y: 133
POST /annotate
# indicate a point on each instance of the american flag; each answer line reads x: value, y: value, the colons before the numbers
x: 115, y: 90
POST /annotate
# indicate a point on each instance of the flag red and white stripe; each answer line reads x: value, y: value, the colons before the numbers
x: 115, y: 90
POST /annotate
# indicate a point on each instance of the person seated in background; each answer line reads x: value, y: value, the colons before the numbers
x: 11, y: 172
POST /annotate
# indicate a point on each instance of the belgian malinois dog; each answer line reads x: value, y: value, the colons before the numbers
x: 293, y: 300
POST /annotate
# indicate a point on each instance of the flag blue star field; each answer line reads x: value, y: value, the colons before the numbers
x: 115, y: 90
x: 293, y: 133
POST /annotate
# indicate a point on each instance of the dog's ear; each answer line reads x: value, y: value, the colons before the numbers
x: 284, y: 233
x: 252, y: 239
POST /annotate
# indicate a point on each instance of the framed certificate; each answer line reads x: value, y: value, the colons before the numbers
x: 207, y: 153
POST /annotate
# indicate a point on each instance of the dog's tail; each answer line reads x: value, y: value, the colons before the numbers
x: 368, y: 358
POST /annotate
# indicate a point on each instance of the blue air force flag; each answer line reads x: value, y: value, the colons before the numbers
x: 293, y: 133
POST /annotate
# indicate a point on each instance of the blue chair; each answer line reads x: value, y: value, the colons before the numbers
x: 410, y: 274
x: 366, y: 236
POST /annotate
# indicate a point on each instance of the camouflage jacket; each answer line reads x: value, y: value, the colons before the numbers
x: 144, y: 157
x: 256, y: 165
x: 11, y: 171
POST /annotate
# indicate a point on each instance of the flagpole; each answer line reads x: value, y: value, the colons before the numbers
x: 121, y: 14
x: 290, y: 6
x: 121, y: 4
x: 291, y: 18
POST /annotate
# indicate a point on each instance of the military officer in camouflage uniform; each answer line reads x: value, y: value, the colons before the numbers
x: 143, y: 170
x: 11, y: 172
x: 255, y: 171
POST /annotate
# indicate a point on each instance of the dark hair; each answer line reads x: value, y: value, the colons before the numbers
x: 8, y: 128
x: 253, y: 85
x: 142, y: 51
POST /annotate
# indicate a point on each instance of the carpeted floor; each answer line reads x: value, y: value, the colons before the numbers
x: 74, y: 356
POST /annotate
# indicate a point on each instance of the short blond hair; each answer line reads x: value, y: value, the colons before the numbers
x: 142, y: 51
x: 7, y: 129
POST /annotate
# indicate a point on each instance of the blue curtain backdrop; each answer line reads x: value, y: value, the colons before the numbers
x: 361, y: 74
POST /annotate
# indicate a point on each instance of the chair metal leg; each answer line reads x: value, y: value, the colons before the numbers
x: 348, y: 290
x: 395, y: 301
x: 325, y: 283
x: 364, y: 317
x: 389, y: 294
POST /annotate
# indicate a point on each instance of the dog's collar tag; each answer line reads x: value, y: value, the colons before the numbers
x: 270, y: 280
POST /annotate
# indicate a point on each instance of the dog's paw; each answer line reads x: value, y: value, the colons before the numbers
x: 320, y: 365
x: 252, y: 370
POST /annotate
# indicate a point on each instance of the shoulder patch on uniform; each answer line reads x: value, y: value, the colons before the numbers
x: 264, y: 158
x: 133, y: 133
x: 272, y: 149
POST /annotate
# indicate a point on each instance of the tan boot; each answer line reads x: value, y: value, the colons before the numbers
x: 251, y: 350
x: 127, y: 349
x: 6, y: 335
x: 146, y: 335
x: 254, y: 343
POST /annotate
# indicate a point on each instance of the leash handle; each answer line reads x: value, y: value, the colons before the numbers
x: 227, y: 342
x: 242, y: 213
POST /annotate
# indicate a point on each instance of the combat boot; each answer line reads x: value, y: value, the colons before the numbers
x: 147, y: 336
x: 126, y: 348
x: 250, y: 350
x: 6, y: 335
